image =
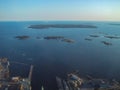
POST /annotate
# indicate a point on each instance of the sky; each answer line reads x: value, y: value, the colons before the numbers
x: 29, y: 10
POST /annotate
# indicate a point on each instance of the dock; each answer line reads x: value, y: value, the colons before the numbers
x: 13, y: 83
x: 74, y: 82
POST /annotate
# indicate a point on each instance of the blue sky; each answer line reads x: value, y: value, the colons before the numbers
x: 25, y: 10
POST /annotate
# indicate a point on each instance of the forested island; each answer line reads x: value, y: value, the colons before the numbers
x: 43, y: 26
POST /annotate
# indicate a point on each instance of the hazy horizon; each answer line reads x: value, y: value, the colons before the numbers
x: 62, y: 10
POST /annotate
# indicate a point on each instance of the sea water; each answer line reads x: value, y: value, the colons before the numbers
x: 53, y: 58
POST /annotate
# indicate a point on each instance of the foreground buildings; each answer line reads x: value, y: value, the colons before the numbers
x: 12, y: 83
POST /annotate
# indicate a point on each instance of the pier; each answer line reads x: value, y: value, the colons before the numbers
x: 13, y: 83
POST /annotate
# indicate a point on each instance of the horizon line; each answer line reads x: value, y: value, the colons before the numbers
x: 59, y: 20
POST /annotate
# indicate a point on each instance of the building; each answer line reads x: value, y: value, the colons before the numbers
x: 12, y: 83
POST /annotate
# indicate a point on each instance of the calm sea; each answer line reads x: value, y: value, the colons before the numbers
x: 53, y: 58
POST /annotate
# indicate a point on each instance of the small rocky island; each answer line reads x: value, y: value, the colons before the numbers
x: 106, y: 43
x: 46, y: 26
x: 54, y: 37
x: 113, y: 37
x: 24, y: 37
x: 61, y: 38
x: 68, y: 40
x: 93, y: 35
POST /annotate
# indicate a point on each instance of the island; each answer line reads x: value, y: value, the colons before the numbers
x: 68, y: 40
x: 93, y: 35
x: 61, y: 38
x: 113, y: 37
x: 24, y: 37
x: 46, y: 26
x: 106, y: 43
x: 54, y: 37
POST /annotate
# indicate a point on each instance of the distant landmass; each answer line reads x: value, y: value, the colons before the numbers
x: 61, y: 26
x: 114, y: 24
x: 23, y: 37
